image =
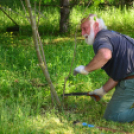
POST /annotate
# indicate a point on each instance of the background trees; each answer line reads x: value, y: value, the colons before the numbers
x: 65, y: 7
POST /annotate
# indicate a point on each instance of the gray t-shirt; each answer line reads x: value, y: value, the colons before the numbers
x: 122, y: 62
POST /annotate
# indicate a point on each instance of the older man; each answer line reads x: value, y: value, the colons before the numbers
x: 114, y: 53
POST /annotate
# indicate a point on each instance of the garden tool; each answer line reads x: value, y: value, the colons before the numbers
x: 95, y: 97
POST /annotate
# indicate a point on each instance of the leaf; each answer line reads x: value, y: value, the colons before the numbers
x: 47, y: 1
x: 102, y: 1
x: 111, y: 1
x: 97, y: 2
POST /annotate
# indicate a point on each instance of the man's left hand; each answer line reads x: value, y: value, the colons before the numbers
x: 80, y: 69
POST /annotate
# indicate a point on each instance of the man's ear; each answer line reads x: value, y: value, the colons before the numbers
x: 96, y: 26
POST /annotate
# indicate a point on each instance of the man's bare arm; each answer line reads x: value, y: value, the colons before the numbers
x: 100, y: 59
x: 110, y: 84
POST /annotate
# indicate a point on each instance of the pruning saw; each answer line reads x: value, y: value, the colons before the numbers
x: 94, y: 96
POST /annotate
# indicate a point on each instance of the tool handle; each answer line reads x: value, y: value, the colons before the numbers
x: 95, y: 97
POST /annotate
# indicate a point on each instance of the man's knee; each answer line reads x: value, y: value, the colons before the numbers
x: 112, y: 118
x: 106, y: 117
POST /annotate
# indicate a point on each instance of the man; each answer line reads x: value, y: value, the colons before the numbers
x: 114, y: 53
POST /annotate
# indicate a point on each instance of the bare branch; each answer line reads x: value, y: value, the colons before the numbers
x: 9, y: 9
x: 66, y: 78
x: 25, y: 11
x: 39, y: 13
x: 41, y: 62
x: 35, y: 10
x: 8, y: 16
x: 86, y: 7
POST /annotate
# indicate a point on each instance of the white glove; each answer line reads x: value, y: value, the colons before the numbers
x: 100, y: 92
x: 80, y: 69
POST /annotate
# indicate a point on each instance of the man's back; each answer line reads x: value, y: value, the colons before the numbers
x: 122, y: 62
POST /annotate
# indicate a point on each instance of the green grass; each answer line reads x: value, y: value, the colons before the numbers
x: 25, y: 101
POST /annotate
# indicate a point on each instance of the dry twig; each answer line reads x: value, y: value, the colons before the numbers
x: 42, y: 62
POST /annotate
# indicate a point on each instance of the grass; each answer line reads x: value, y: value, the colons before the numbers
x: 25, y: 102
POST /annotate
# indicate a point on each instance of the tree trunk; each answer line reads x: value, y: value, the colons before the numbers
x: 64, y: 18
x: 122, y: 2
x: 42, y: 62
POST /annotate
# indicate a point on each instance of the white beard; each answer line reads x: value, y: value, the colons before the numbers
x: 91, y: 36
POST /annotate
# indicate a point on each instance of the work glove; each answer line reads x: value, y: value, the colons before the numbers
x: 80, y: 69
x: 99, y: 92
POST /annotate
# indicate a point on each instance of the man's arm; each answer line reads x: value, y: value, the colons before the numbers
x: 110, y: 84
x: 100, y: 59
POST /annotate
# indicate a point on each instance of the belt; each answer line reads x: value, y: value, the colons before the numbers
x: 129, y: 77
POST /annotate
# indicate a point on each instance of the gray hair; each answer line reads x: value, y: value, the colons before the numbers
x: 102, y: 24
x: 93, y: 17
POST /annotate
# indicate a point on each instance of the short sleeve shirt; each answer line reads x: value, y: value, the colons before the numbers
x: 122, y: 47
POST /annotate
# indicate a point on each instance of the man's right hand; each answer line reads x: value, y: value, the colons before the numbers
x: 97, y: 92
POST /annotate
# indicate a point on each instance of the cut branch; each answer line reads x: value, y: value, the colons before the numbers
x: 66, y: 78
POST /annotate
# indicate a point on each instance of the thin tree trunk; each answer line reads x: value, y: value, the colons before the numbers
x: 42, y: 63
x: 122, y: 4
x: 64, y: 16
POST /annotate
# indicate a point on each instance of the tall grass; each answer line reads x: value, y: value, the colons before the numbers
x: 25, y: 104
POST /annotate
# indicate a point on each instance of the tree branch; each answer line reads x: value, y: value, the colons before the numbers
x: 41, y: 62
x: 39, y: 13
x: 8, y: 16
x: 66, y: 78
x: 25, y: 10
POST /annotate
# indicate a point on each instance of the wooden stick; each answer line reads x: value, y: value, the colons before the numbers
x: 42, y: 63
x: 8, y: 16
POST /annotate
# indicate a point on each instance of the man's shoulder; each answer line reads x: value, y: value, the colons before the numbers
x: 106, y: 36
x: 105, y: 33
x: 102, y: 36
x: 102, y: 40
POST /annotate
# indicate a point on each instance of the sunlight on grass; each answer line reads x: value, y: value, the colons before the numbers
x: 60, y: 40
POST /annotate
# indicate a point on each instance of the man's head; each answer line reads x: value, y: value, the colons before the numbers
x: 90, y: 26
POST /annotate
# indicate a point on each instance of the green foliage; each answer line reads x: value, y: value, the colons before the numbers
x: 97, y: 2
x: 112, y: 1
x: 51, y: 2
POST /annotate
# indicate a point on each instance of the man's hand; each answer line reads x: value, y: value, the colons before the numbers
x: 80, y: 69
x: 100, y: 92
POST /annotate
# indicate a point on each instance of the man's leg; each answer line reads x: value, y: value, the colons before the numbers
x: 119, y: 108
